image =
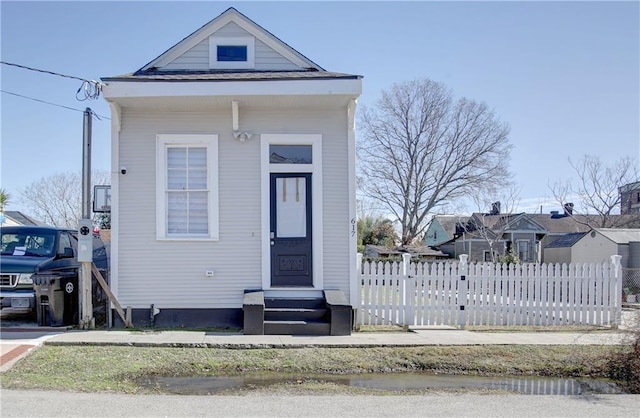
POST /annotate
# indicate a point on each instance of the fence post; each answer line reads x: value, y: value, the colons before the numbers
x: 463, y: 270
x: 408, y: 313
x: 615, y: 260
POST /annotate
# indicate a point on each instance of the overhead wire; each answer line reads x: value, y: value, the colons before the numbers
x: 90, y: 89
x: 94, y: 114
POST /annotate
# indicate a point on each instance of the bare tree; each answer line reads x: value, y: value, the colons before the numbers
x: 597, y: 191
x: 57, y: 200
x: 420, y: 149
x: 493, y: 225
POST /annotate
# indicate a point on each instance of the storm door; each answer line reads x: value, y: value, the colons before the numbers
x: 291, y: 231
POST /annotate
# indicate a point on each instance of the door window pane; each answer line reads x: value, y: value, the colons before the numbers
x: 291, y: 207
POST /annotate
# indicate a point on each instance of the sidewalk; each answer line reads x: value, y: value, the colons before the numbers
x: 417, y: 337
x: 15, y: 343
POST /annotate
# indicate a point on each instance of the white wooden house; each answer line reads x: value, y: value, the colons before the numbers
x: 233, y: 160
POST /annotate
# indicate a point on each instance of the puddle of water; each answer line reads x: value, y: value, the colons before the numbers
x: 389, y: 382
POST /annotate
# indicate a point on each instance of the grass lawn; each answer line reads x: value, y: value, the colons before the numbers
x: 125, y: 369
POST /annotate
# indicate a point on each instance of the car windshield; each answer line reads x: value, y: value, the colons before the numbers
x: 28, y: 244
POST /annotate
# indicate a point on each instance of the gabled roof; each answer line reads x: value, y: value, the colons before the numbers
x: 494, y: 222
x: 549, y: 223
x: 226, y: 17
x: 619, y: 236
x: 20, y: 218
x: 164, y: 68
x: 564, y: 224
x: 566, y: 240
x: 449, y: 222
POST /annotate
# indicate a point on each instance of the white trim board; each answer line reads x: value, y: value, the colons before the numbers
x: 116, y: 89
x: 315, y: 140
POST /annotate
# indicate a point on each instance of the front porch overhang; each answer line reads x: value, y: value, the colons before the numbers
x: 114, y: 90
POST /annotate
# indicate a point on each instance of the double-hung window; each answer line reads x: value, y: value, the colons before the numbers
x: 187, y: 186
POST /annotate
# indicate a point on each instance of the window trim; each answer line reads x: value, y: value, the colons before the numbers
x: 210, y: 141
x: 248, y: 41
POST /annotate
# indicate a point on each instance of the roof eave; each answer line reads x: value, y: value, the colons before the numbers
x: 115, y: 89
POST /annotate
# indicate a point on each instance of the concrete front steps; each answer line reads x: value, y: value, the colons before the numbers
x: 329, y: 314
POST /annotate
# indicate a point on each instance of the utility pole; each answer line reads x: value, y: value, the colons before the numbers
x: 85, y: 230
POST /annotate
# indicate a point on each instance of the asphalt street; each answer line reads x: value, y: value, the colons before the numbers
x: 20, y: 403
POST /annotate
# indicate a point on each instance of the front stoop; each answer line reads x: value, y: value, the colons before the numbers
x: 328, y: 315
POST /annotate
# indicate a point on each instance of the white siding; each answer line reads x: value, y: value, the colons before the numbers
x: 590, y: 249
x: 197, y: 58
x: 171, y: 274
x: 557, y: 255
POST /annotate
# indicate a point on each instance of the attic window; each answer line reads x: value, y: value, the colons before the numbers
x: 232, y: 53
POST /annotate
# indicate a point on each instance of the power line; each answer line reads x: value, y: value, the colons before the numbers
x: 90, y: 88
x: 99, y: 117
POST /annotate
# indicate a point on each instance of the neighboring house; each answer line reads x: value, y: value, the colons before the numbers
x: 601, y: 243
x: 15, y: 218
x: 443, y: 228
x: 630, y: 198
x: 524, y: 234
x: 235, y: 157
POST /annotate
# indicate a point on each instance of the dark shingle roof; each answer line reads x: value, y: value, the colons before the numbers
x: 566, y: 240
x: 230, y: 76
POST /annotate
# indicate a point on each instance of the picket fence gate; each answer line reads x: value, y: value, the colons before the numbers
x: 460, y: 293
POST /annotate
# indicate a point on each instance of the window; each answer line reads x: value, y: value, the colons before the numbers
x: 64, y: 242
x: 290, y: 154
x: 523, y: 250
x: 187, y: 187
x: 232, y: 53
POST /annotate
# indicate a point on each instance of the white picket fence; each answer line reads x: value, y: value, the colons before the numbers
x: 460, y: 294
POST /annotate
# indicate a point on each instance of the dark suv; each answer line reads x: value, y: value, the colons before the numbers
x: 26, y: 250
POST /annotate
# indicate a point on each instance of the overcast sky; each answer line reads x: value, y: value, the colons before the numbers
x: 563, y: 75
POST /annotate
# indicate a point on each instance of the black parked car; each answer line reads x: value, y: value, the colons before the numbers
x: 26, y: 250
